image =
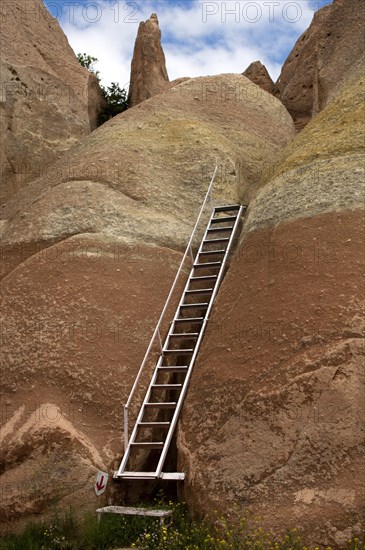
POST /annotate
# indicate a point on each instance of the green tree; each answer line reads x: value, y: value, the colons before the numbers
x: 116, y: 101
x: 88, y: 61
x: 116, y: 98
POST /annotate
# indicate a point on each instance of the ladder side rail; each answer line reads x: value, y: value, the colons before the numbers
x: 188, y: 282
x: 192, y: 361
x: 127, y: 449
x: 185, y: 288
x: 147, y: 396
x: 156, y: 331
x: 224, y: 262
x: 183, y: 392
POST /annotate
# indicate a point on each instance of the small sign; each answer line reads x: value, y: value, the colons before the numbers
x: 100, y: 483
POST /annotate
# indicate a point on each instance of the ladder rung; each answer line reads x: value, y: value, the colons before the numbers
x: 184, y: 335
x: 220, y: 232
x: 224, y: 219
x: 211, y: 252
x: 136, y: 475
x: 222, y: 240
x: 167, y: 386
x: 147, y: 444
x: 199, y: 291
x: 176, y: 476
x: 204, y: 304
x: 178, y: 351
x: 227, y: 208
x: 154, y: 424
x: 189, y: 320
x: 173, y: 368
x: 219, y: 229
x: 208, y: 264
x: 164, y: 405
x: 204, y: 278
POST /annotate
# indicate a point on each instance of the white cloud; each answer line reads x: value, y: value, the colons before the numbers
x: 199, y: 37
x: 210, y: 61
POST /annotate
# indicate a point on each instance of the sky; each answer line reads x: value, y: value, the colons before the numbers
x: 199, y: 37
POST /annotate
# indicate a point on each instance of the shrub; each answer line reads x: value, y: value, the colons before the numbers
x: 116, y: 98
x: 68, y: 532
x: 116, y: 102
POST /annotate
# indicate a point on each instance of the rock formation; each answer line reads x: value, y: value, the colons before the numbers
x: 48, y: 101
x: 123, y: 165
x: 83, y: 247
x: 321, y: 57
x: 78, y: 315
x: 148, y: 71
x: 258, y: 74
x: 273, y: 421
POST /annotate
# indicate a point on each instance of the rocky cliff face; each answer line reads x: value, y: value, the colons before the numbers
x: 77, y: 319
x: 318, y: 62
x: 83, y: 247
x: 148, y: 71
x: 259, y: 75
x: 273, y: 422
x: 193, y: 124
x: 48, y: 101
x: 321, y: 57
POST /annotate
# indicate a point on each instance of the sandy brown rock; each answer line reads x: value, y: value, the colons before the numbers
x: 90, y: 250
x: 76, y: 320
x: 281, y: 431
x: 328, y: 157
x: 258, y: 74
x: 144, y: 174
x: 321, y: 57
x: 48, y: 101
x: 148, y: 70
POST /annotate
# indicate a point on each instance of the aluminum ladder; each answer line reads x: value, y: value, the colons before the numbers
x: 163, y: 401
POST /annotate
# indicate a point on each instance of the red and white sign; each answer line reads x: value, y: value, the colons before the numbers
x: 100, y: 483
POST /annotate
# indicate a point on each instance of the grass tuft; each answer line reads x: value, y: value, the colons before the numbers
x: 67, y: 532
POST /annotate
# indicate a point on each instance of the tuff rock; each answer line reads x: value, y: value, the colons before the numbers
x: 332, y: 44
x: 281, y: 430
x: 48, y: 101
x: 148, y: 71
x: 83, y: 249
x: 258, y: 74
x: 273, y: 422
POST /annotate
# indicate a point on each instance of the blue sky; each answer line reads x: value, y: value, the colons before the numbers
x: 199, y: 37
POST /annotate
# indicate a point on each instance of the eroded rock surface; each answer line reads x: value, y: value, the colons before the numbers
x: 321, y: 57
x: 148, y: 71
x: 76, y: 319
x: 274, y: 421
x: 48, y: 101
x: 258, y: 74
x: 89, y: 252
x: 142, y: 176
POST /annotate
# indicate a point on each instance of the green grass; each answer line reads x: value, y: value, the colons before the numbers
x: 69, y: 533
